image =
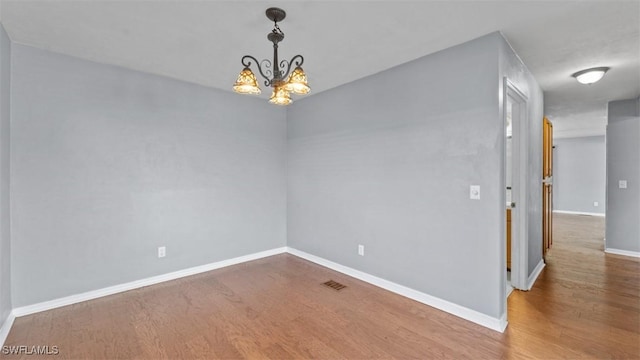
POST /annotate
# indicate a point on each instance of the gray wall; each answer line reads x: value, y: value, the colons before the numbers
x: 623, y: 163
x: 108, y: 164
x: 386, y: 161
x: 579, y: 174
x: 512, y: 67
x: 5, y: 233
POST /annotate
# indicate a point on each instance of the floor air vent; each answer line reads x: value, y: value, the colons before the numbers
x: 334, y: 285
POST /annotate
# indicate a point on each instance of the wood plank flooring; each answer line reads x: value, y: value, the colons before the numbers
x: 586, y: 304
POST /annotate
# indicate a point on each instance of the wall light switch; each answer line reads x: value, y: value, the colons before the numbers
x: 474, y: 192
x: 361, y: 250
x: 622, y: 184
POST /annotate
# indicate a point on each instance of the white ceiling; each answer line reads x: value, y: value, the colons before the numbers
x: 203, y: 41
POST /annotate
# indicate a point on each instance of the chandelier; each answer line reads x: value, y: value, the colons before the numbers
x: 276, y: 74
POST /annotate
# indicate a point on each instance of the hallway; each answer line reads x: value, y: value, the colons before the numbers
x: 585, y: 304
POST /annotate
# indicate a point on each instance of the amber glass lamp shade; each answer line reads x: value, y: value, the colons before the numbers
x: 297, y: 83
x: 246, y: 83
x: 280, y: 96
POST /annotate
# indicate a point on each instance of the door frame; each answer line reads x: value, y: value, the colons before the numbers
x: 547, y: 186
x: 520, y: 185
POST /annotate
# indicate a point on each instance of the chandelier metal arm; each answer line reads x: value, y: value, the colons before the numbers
x: 264, y: 67
x: 299, y: 62
x: 246, y: 63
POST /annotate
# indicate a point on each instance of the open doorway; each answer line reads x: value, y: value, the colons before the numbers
x: 515, y: 120
x: 575, y: 180
x: 508, y: 185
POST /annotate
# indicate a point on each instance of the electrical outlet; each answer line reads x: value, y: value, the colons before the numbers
x: 622, y: 184
x: 474, y: 192
x: 162, y: 251
x: 595, y: 203
x: 361, y: 250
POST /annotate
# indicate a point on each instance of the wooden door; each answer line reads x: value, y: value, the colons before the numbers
x: 547, y: 186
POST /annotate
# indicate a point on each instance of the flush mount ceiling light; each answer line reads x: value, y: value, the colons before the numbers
x: 589, y: 76
x: 276, y: 74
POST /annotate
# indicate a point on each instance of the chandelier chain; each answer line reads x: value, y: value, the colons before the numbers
x: 276, y: 29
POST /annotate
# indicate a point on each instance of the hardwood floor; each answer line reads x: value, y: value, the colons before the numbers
x: 586, y: 304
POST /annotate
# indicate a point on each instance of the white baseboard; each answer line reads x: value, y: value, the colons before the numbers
x: 502, y: 322
x: 89, y: 295
x: 578, y: 213
x: 497, y: 324
x: 534, y: 275
x: 6, y: 327
x: 509, y: 290
x: 622, y: 252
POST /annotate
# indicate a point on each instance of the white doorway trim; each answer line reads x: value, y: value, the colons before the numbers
x: 520, y: 188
